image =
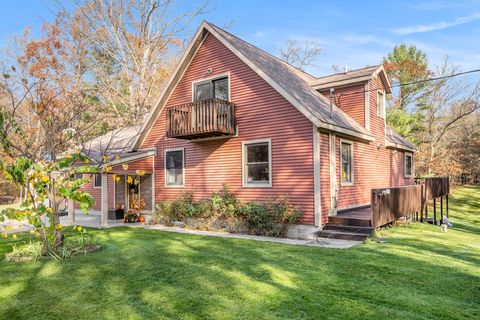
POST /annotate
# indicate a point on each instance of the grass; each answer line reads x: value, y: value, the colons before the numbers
x: 418, y: 273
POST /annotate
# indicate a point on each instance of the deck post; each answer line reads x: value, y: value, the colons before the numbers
x: 426, y: 210
x: 435, y: 211
x: 446, y: 199
x: 71, y: 211
x: 441, y: 210
x: 104, y: 207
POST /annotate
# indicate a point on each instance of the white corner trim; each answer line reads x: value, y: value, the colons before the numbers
x: 367, y: 106
x: 165, y: 167
x: 347, y: 183
x: 246, y: 184
x: 317, y: 199
x: 333, y: 172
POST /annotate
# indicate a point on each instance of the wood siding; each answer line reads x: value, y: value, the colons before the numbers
x: 351, y: 100
x: 261, y: 113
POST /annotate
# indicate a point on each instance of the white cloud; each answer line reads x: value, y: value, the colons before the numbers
x: 356, y: 39
x: 420, y: 28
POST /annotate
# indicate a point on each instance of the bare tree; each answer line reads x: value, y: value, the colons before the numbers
x: 133, y: 47
x: 443, y: 106
x: 300, y: 55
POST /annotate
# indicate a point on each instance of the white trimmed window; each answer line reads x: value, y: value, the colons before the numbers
x: 211, y: 88
x: 381, y: 104
x: 174, y: 167
x: 97, y: 180
x: 346, y: 165
x: 257, y: 163
x: 408, y: 165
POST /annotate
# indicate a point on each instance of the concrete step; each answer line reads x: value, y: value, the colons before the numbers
x: 353, y: 229
x: 338, y: 220
x: 335, y: 234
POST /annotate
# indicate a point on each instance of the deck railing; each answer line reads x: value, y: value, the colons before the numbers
x: 390, y: 204
x: 201, y: 119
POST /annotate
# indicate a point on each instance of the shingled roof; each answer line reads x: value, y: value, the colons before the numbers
x: 293, y: 84
x: 352, y: 76
x: 395, y: 140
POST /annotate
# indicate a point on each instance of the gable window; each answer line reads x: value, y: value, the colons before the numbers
x: 381, y: 104
x: 408, y: 165
x: 346, y: 158
x: 257, y: 163
x: 98, y: 180
x: 174, y: 168
x: 209, y: 89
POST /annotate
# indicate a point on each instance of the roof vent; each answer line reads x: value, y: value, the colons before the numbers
x: 345, y: 69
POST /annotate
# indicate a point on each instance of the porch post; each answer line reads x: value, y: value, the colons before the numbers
x: 104, y: 206
x: 71, y: 211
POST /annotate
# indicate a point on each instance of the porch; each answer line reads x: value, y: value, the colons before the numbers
x: 126, y: 186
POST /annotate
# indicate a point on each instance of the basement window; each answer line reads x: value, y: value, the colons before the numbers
x: 257, y: 163
x: 212, y: 88
x: 346, y: 167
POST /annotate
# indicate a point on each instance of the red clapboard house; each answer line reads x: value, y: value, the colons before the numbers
x: 234, y: 114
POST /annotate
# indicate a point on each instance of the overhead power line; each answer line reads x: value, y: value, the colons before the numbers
x: 414, y: 82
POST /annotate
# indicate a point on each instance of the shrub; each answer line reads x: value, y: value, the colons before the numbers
x: 272, y: 218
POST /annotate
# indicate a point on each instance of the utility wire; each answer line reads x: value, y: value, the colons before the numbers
x: 414, y: 82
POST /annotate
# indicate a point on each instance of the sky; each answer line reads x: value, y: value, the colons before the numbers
x: 352, y: 33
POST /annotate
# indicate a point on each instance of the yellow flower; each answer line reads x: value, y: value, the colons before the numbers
x: 9, y: 228
x: 108, y: 169
x: 49, y: 210
x: 130, y: 179
x: 104, y: 158
x: 140, y: 172
x: 117, y: 179
x: 125, y: 166
x: 117, y: 158
x: 114, y: 176
x: 58, y: 227
x: 87, y: 160
x: 79, y: 228
x: 77, y: 151
x: 5, y: 235
x: 14, y: 236
x: 45, y: 179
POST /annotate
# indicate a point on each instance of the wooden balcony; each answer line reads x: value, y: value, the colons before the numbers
x: 202, y: 119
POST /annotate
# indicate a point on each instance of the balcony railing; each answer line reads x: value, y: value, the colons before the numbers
x: 201, y: 119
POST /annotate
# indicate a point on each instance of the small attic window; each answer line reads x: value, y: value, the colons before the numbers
x: 381, y: 104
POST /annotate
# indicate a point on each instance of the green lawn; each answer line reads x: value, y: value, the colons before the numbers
x: 417, y: 273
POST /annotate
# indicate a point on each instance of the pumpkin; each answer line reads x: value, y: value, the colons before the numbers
x: 141, y: 219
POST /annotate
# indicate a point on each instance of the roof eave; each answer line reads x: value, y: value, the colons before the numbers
x: 394, y: 145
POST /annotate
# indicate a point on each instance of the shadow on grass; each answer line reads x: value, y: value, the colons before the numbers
x: 152, y: 274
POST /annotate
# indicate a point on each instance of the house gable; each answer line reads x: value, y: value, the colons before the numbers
x: 261, y: 112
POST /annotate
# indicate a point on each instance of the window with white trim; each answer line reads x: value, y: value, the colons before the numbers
x: 257, y: 164
x: 98, y: 180
x: 381, y: 104
x: 346, y: 158
x: 209, y: 89
x: 408, y: 165
x: 174, y: 168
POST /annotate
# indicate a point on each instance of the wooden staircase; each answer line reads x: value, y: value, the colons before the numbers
x: 348, y: 225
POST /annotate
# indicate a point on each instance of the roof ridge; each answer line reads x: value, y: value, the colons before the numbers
x: 266, y: 52
x: 353, y: 70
